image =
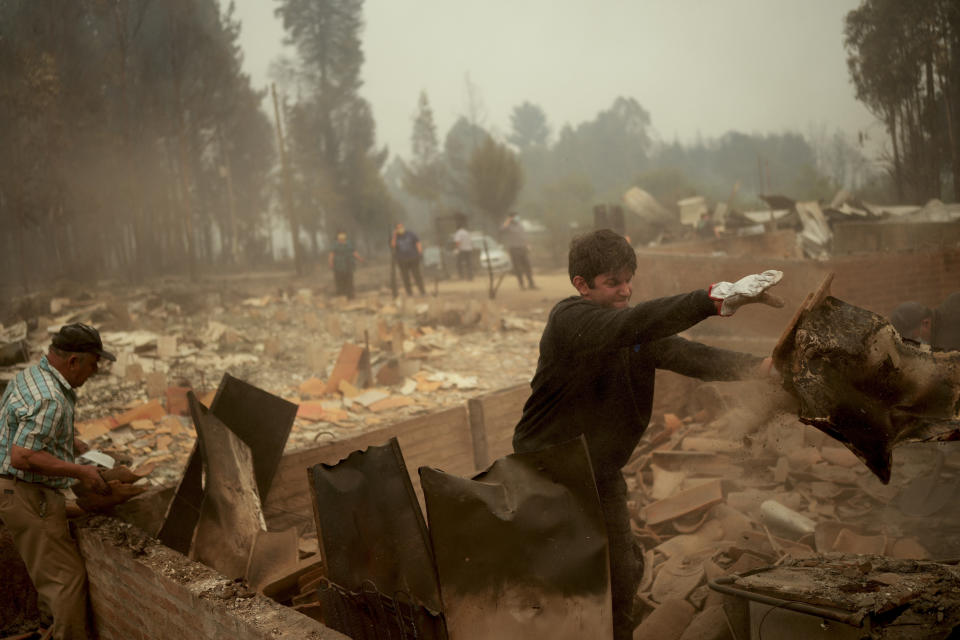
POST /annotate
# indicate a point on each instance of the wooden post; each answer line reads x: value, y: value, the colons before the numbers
x: 478, y: 433
x: 393, y: 264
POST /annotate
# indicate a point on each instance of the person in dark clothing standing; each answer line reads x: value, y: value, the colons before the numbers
x: 595, y: 376
x: 464, y: 245
x: 947, y: 335
x: 408, y: 250
x: 940, y: 327
x: 343, y: 260
x: 515, y: 239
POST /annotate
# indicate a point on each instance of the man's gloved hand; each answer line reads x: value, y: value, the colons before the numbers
x: 730, y: 296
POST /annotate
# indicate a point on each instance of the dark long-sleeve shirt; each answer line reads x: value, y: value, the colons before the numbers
x: 595, y: 375
x: 946, y: 324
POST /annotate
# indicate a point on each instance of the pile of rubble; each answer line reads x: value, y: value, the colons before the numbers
x: 740, y: 483
x: 351, y: 365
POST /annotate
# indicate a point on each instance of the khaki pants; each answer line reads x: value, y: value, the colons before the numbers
x: 36, y: 517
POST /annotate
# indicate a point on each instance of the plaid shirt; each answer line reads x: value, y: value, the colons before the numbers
x: 36, y: 412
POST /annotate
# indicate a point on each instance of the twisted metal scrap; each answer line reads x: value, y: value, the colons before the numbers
x: 860, y: 383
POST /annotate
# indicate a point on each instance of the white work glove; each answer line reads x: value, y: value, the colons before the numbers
x: 730, y: 296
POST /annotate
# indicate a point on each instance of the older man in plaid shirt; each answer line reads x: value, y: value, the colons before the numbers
x: 37, y: 447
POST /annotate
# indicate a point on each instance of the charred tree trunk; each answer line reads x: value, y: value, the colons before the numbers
x: 951, y: 92
x: 287, y: 195
x: 183, y: 147
x: 933, y: 139
x: 897, y: 165
x: 22, y: 256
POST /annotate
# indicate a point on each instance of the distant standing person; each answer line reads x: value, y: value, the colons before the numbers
x: 343, y: 261
x: 515, y: 239
x: 706, y: 227
x: 940, y: 327
x: 464, y: 243
x: 409, y: 251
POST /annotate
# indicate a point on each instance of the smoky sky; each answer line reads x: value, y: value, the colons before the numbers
x: 700, y: 68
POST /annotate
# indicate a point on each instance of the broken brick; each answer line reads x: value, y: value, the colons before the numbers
x: 709, y: 624
x: 312, y: 387
x: 271, y: 347
x: 392, y: 402
x: 676, y: 578
x: 907, y: 548
x: 389, y: 374
x: 166, y: 347
x: 91, y: 429
x: 849, y: 542
x: 142, y: 425
x: 156, y: 383
x: 148, y: 411
x: 427, y: 386
x: 177, y: 401
x: 311, y: 410
x: 333, y: 326
x: 688, y: 501
x: 346, y: 368
x: 667, y: 622
x: 672, y: 422
x: 134, y: 372
x: 317, y: 359
x: 335, y: 415
x: 347, y: 390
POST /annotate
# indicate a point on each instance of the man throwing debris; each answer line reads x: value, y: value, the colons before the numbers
x: 595, y: 376
x: 37, y: 448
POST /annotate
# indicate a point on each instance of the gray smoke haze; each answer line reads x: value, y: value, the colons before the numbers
x: 699, y: 68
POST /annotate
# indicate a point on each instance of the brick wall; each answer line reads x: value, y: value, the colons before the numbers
x: 778, y: 244
x: 877, y: 282
x: 861, y: 237
x: 141, y: 590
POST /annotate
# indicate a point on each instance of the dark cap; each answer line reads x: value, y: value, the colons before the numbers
x: 80, y: 338
x: 908, y: 316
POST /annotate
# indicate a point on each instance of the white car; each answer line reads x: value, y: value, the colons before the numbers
x: 495, y: 255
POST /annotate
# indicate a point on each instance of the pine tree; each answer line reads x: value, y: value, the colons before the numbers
x: 530, y: 128
x: 495, y: 178
x: 424, y: 178
x: 332, y: 131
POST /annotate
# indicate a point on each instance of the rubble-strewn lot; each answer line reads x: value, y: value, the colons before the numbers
x: 425, y: 354
x: 734, y: 482
x: 726, y: 479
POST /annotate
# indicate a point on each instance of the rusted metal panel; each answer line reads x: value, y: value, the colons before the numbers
x: 230, y: 517
x: 521, y: 548
x: 262, y: 420
x: 844, y: 596
x: 368, y: 614
x: 371, y: 529
x: 273, y: 556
